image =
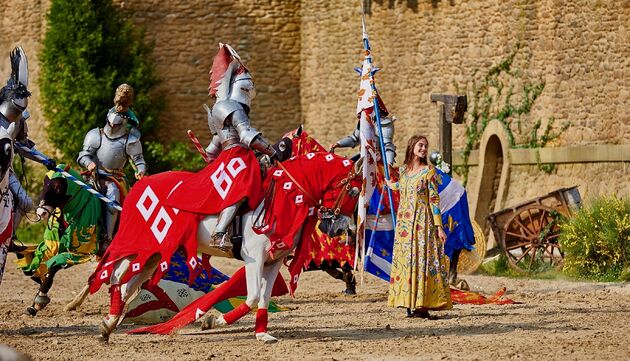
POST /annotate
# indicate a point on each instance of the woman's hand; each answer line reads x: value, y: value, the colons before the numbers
x: 390, y: 184
x: 441, y: 234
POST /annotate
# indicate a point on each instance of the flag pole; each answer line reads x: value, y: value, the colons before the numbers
x: 377, y: 116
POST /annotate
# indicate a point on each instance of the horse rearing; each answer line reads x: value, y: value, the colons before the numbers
x: 299, y: 192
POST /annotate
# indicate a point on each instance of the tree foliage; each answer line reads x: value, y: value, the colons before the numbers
x: 90, y: 49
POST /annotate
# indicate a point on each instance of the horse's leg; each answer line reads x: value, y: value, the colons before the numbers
x: 349, y: 279
x: 120, y: 294
x: 116, y: 305
x: 270, y: 273
x: 41, y: 297
x: 78, y: 300
x: 131, y: 288
x: 254, y: 253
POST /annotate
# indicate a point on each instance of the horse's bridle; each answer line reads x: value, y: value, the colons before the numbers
x: 336, y: 208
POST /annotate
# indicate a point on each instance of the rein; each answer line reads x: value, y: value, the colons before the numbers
x: 306, y: 193
x: 345, y: 183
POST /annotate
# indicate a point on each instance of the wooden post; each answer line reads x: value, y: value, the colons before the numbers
x: 451, y: 110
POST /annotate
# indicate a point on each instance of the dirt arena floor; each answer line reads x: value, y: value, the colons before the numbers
x: 558, y: 320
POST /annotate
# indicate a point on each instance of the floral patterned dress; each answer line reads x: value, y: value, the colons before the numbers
x: 419, y: 274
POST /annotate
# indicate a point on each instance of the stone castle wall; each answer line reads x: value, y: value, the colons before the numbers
x: 302, y: 55
x: 186, y: 36
x: 23, y: 23
x: 578, y: 48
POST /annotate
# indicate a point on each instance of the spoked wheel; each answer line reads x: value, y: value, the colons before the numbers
x: 530, y: 239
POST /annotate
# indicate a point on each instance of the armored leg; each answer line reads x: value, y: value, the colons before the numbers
x: 221, y: 237
x: 23, y: 202
x: 111, y: 214
x: 453, y: 280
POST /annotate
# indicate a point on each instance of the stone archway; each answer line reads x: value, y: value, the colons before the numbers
x: 491, y: 184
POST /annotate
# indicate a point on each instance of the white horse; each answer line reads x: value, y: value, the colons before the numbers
x: 327, y: 183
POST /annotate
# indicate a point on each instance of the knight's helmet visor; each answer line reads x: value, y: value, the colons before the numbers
x: 114, y: 118
x: 20, y: 103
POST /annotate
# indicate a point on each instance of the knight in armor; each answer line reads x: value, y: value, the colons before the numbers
x: 13, y: 103
x: 352, y: 140
x: 105, y: 152
x: 232, y: 87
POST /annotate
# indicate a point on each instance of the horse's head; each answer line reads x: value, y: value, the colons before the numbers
x: 339, y: 202
x: 54, y: 194
x: 302, y: 142
x: 6, y: 151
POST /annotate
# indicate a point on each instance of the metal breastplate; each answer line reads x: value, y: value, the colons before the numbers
x: 112, y: 154
x: 228, y: 136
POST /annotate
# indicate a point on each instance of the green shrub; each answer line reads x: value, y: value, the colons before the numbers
x: 596, y: 240
x: 500, y: 267
x: 176, y: 156
x: 30, y: 233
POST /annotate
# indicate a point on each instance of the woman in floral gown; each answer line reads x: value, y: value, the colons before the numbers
x: 419, y: 274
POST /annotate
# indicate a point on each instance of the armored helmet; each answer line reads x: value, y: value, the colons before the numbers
x: 117, y: 123
x: 14, y: 96
x: 230, y: 79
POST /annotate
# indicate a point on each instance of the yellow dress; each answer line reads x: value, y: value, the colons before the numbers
x: 419, y: 274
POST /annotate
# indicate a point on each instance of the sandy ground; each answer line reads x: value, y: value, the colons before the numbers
x: 558, y: 320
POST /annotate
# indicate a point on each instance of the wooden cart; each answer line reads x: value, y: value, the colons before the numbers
x: 528, y: 233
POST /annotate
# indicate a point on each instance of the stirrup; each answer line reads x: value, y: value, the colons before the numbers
x: 222, y: 240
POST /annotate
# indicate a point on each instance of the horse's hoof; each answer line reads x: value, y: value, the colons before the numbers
x: 104, y: 338
x: 460, y: 284
x: 208, y: 323
x: 350, y: 292
x: 41, y: 301
x: 108, y: 325
x: 266, y: 338
x: 211, y: 322
x: 31, y: 311
x: 463, y: 285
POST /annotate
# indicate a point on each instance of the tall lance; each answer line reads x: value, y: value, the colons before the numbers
x: 377, y: 115
x: 42, y: 158
x: 198, y: 146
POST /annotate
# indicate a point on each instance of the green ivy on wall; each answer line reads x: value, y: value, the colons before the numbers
x: 494, y: 98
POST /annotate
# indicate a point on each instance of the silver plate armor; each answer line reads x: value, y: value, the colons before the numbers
x: 14, y: 96
x: 387, y: 126
x: 10, y: 111
x: 112, y: 153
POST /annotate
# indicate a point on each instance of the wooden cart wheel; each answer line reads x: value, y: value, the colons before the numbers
x: 530, y: 239
x: 469, y: 261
